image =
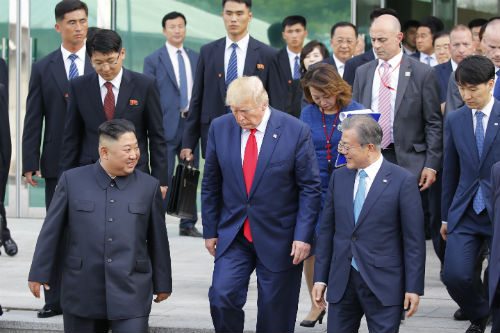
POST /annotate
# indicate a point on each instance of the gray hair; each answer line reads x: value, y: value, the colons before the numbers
x: 367, y: 129
x: 246, y: 88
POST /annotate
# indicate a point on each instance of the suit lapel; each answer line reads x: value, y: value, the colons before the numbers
x: 285, y: 65
x: 167, y: 63
x: 192, y: 60
x: 349, y: 195
x: 467, y: 135
x: 402, y: 81
x: 88, y: 68
x: 95, y: 97
x: 251, y: 58
x: 235, y: 142
x: 271, y: 138
x: 380, y: 183
x: 126, y: 88
x: 370, y: 74
x: 59, y: 73
x: 219, y: 51
x: 491, y: 130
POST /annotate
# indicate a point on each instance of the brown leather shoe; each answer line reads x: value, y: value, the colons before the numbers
x: 191, y: 231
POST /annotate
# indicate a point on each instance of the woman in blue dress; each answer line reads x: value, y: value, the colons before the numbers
x: 328, y: 95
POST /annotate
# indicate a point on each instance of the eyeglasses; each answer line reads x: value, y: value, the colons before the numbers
x: 345, y: 148
x: 110, y: 64
x: 342, y: 41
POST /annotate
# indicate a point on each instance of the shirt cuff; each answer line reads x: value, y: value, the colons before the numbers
x: 444, y: 222
x: 319, y: 282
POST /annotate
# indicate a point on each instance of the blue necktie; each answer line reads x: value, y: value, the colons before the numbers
x: 232, y: 66
x: 183, y: 87
x: 496, y: 90
x: 296, y: 69
x: 73, y: 71
x: 359, y: 200
x: 478, y: 202
x: 428, y: 60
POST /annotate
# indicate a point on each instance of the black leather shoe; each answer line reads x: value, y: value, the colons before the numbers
x: 459, y: 315
x: 10, y: 247
x: 312, y: 323
x: 47, y: 313
x: 477, y: 326
x: 191, y: 231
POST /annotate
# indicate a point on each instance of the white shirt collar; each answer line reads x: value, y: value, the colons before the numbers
x: 487, y: 109
x: 372, y: 169
x: 454, y: 65
x: 291, y: 54
x: 374, y: 54
x: 116, y: 81
x: 338, y: 62
x: 80, y: 53
x: 242, y: 43
x: 172, y: 49
x: 394, y: 61
x: 423, y: 56
x: 263, y: 124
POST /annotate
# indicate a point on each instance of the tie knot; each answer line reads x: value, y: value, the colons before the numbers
x: 362, y: 174
x: 108, y: 85
x: 385, y: 65
x: 234, y: 46
x: 252, y: 131
x: 179, y: 52
x: 479, y: 115
x: 297, y: 58
x: 72, y: 57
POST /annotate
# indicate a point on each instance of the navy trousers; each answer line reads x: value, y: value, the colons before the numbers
x: 358, y: 300
x: 75, y: 324
x: 278, y: 292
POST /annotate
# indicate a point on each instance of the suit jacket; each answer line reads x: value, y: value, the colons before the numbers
x: 494, y: 263
x: 280, y: 80
x: 4, y: 75
x: 46, y: 106
x: 329, y: 61
x: 387, y: 242
x: 117, y: 252
x: 463, y: 170
x: 285, y: 196
x: 443, y: 72
x: 454, y: 100
x: 5, y: 143
x: 159, y: 66
x: 352, y: 64
x: 417, y: 126
x: 209, y: 90
x: 86, y: 113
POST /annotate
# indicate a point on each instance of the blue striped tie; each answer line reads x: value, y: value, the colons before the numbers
x: 359, y: 200
x: 232, y: 66
x: 73, y: 71
x: 478, y: 202
x: 182, y: 81
x: 296, y: 69
x: 496, y: 90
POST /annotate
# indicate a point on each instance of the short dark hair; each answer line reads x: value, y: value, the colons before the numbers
x: 67, y: 6
x: 343, y: 24
x: 440, y: 34
x: 171, y: 16
x: 114, y: 128
x: 433, y: 23
x: 104, y: 41
x: 409, y: 24
x: 292, y: 20
x: 477, y: 22
x: 248, y: 3
x: 475, y: 69
x: 383, y: 11
x: 308, y: 48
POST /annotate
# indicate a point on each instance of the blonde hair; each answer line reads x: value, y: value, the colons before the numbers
x: 246, y: 88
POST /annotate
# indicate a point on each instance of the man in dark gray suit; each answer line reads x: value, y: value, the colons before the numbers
x: 118, y: 255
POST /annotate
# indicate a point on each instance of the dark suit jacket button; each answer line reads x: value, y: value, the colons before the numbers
x: 354, y: 238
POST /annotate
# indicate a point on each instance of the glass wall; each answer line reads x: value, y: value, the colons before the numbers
x: 470, y: 9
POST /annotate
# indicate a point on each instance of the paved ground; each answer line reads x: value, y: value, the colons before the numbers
x: 187, y: 310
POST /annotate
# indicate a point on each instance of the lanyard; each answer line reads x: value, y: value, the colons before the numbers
x: 386, y: 84
x: 328, y: 138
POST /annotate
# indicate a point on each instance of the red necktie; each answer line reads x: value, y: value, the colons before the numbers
x: 109, y: 101
x: 249, y: 165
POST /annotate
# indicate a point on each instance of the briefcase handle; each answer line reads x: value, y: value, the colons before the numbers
x: 188, y: 164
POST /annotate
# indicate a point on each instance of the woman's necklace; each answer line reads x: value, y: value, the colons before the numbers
x: 328, y: 145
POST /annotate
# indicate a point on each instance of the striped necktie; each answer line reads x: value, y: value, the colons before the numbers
x: 73, y: 70
x: 232, y: 66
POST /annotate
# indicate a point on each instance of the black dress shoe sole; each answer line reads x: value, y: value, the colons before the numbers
x: 47, y: 313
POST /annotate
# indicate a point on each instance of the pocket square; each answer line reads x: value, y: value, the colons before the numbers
x: 260, y: 66
x: 134, y: 102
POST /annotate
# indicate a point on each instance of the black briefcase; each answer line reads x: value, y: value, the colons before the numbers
x: 182, y: 199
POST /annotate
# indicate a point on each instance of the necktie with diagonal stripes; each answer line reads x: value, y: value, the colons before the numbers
x: 384, y: 104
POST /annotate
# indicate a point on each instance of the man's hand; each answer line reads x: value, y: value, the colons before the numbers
x: 411, y: 304
x: 161, y: 297
x: 427, y: 177
x: 211, y: 244
x: 318, y: 293
x: 29, y: 177
x: 444, y: 230
x: 300, y: 251
x: 35, y: 287
x: 163, y: 190
x: 186, y: 154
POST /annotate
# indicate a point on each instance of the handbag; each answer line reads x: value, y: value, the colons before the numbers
x: 182, y: 199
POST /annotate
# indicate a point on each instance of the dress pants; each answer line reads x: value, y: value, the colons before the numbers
x: 4, y: 231
x: 358, y: 300
x: 75, y: 324
x: 462, y: 247
x: 174, y: 147
x: 278, y: 292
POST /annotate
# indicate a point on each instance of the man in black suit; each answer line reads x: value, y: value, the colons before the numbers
x: 286, y: 64
x: 343, y: 40
x: 426, y: 31
x: 113, y: 92
x: 409, y: 30
x: 220, y: 62
x: 46, y: 108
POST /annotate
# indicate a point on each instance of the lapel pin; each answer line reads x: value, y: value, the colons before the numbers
x: 220, y: 75
x: 260, y: 66
x: 275, y: 136
x: 289, y: 81
x: 133, y: 102
x: 384, y: 180
x: 66, y: 95
x: 407, y: 73
x: 496, y: 124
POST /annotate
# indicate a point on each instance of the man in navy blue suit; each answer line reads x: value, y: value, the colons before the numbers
x: 343, y: 40
x: 494, y: 266
x: 371, y: 244
x: 113, y: 92
x: 260, y: 199
x: 173, y: 67
x: 46, y: 109
x: 220, y: 62
x: 118, y: 256
x: 471, y: 147
x: 427, y: 29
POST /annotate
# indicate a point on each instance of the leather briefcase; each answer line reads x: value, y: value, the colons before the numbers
x: 182, y: 199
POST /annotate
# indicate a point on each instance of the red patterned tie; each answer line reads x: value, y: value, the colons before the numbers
x: 109, y: 101
x: 384, y: 104
x: 249, y: 165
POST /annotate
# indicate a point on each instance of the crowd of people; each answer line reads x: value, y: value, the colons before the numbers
x: 275, y: 198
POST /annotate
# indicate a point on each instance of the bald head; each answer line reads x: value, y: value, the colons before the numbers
x: 491, y: 42
x: 386, y: 36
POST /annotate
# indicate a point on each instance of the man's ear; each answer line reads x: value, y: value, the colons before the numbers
x: 103, y: 152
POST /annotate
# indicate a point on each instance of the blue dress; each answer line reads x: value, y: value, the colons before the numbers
x: 312, y: 116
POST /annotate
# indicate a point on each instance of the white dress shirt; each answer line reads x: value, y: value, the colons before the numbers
x: 116, y: 86
x: 487, y: 111
x: 172, y: 52
x: 291, y: 59
x: 371, y: 172
x: 340, y: 65
x: 259, y: 134
x: 454, y: 65
x: 241, y: 53
x: 423, y: 58
x: 395, y: 66
x: 79, y: 61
